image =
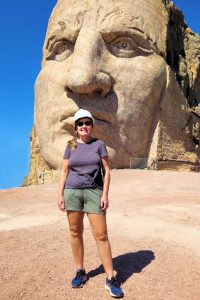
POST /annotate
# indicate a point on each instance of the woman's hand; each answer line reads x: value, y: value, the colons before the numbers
x: 63, y: 177
x: 104, y: 202
x: 61, y: 203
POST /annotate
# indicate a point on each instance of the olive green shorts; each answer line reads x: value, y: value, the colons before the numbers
x: 87, y: 200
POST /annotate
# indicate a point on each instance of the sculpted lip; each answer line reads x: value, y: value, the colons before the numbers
x: 102, y: 109
x: 67, y: 124
x: 69, y: 119
x: 104, y: 117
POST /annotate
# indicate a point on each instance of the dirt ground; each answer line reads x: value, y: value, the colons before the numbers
x: 154, y: 230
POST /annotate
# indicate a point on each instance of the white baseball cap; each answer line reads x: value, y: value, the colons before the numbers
x: 82, y: 113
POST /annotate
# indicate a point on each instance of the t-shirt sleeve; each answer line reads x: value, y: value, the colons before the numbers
x: 66, y: 153
x: 102, y: 150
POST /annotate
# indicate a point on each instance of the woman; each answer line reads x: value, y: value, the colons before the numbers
x: 81, y: 191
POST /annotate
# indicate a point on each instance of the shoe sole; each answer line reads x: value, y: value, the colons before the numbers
x: 81, y: 285
x: 111, y: 294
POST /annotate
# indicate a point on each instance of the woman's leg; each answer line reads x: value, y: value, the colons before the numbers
x: 75, y: 219
x: 99, y: 229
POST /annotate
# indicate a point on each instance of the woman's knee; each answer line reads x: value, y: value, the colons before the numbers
x: 101, y: 236
x: 76, y: 232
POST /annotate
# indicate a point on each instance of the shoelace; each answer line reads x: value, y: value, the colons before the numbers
x: 114, y: 282
x: 79, y: 274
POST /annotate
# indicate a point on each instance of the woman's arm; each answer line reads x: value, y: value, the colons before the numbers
x: 104, y: 198
x: 63, y: 177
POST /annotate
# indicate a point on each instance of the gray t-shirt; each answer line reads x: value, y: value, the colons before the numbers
x: 85, y: 167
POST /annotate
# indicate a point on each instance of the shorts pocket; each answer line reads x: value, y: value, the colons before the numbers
x: 73, y: 199
x: 97, y: 192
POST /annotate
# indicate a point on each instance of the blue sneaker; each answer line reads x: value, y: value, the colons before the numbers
x: 114, y: 288
x: 79, y: 279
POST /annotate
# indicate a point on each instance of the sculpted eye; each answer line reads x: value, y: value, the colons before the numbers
x: 123, y: 44
x: 61, y: 50
x: 126, y: 47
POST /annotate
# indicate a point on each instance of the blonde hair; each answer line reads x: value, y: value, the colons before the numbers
x: 72, y: 144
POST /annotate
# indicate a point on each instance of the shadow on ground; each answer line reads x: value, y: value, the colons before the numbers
x: 127, y: 264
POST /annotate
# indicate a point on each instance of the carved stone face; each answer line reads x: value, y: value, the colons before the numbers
x: 106, y: 57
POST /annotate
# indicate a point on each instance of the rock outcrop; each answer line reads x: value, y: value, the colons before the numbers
x: 173, y: 138
x: 183, y: 54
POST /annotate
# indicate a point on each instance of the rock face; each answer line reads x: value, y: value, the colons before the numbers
x: 136, y: 68
x: 183, y: 55
x: 39, y: 170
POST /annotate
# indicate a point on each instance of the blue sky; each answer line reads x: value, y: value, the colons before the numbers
x: 22, y: 30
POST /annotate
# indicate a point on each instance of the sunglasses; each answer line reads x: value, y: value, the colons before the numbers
x: 86, y: 123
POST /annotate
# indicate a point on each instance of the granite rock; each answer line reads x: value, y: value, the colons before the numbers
x: 136, y: 68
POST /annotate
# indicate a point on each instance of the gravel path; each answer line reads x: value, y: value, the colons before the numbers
x: 154, y: 230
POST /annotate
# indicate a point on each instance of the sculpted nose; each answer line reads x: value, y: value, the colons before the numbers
x: 85, y: 71
x: 85, y: 81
